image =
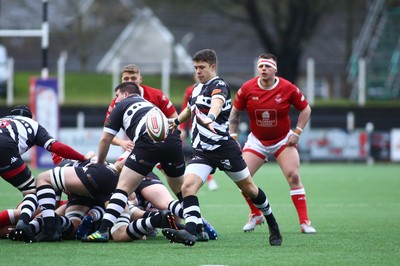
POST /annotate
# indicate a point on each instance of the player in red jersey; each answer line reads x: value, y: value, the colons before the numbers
x: 267, y: 99
x: 185, y: 127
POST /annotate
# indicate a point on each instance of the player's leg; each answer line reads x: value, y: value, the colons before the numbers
x: 74, y: 214
x: 127, y: 183
x: 158, y: 195
x: 289, y: 161
x: 29, y: 205
x: 195, y: 176
x: 8, y: 219
x: 254, y: 161
x: 260, y: 200
x: 172, y: 161
x: 87, y: 223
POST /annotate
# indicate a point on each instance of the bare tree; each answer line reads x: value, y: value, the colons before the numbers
x: 284, y: 27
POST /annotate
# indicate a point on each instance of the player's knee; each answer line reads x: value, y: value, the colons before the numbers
x: 293, y: 179
x: 43, y: 179
x: 118, y: 232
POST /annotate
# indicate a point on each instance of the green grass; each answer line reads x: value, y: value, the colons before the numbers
x: 355, y: 209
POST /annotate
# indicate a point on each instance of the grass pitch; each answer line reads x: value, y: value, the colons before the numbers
x: 355, y: 209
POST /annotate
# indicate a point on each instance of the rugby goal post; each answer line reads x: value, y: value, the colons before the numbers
x: 43, y: 33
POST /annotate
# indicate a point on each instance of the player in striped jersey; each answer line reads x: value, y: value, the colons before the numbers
x: 18, y: 133
x: 210, y: 106
x: 130, y: 114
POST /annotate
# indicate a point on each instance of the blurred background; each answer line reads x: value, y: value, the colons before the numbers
x: 344, y: 55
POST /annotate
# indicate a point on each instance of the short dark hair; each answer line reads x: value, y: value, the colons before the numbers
x: 206, y: 55
x: 268, y: 56
x: 21, y: 110
x: 129, y: 87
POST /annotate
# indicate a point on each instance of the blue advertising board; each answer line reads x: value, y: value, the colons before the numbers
x: 45, y: 109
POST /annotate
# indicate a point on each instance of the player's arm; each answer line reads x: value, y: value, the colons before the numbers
x: 104, y: 146
x: 181, y: 118
x: 234, y: 119
x: 125, y: 144
x: 215, y: 110
x: 304, y: 117
x: 65, y: 151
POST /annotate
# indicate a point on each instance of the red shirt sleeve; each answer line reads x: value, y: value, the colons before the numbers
x: 65, y: 151
x: 186, y: 96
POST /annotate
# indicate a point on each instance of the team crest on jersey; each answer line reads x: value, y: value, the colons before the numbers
x: 13, y: 160
x: 227, y: 164
x: 278, y: 98
x: 255, y: 98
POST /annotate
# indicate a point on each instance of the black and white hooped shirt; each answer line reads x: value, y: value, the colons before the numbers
x: 129, y: 114
x: 200, y: 104
x: 25, y: 132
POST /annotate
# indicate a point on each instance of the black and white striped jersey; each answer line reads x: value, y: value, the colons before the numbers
x: 200, y: 104
x: 129, y: 114
x: 25, y: 132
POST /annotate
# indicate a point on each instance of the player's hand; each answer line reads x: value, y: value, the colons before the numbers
x: 292, y: 140
x: 127, y: 145
x: 57, y: 159
x: 171, y: 124
x: 90, y: 155
x: 206, y: 121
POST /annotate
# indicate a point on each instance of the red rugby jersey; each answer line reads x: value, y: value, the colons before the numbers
x: 268, y: 109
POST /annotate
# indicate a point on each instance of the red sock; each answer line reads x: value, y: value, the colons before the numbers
x: 299, y: 200
x: 209, y: 177
x: 253, y: 208
x: 7, y: 218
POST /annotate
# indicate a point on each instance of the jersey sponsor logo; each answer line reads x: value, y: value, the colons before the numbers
x: 266, y: 117
x: 216, y: 91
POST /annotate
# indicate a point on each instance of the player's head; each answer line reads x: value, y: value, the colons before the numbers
x: 21, y: 110
x: 207, y: 55
x: 205, y: 65
x: 267, y: 60
x: 125, y: 89
x: 131, y: 73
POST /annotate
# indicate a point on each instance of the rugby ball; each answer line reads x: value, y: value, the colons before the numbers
x: 157, y: 125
